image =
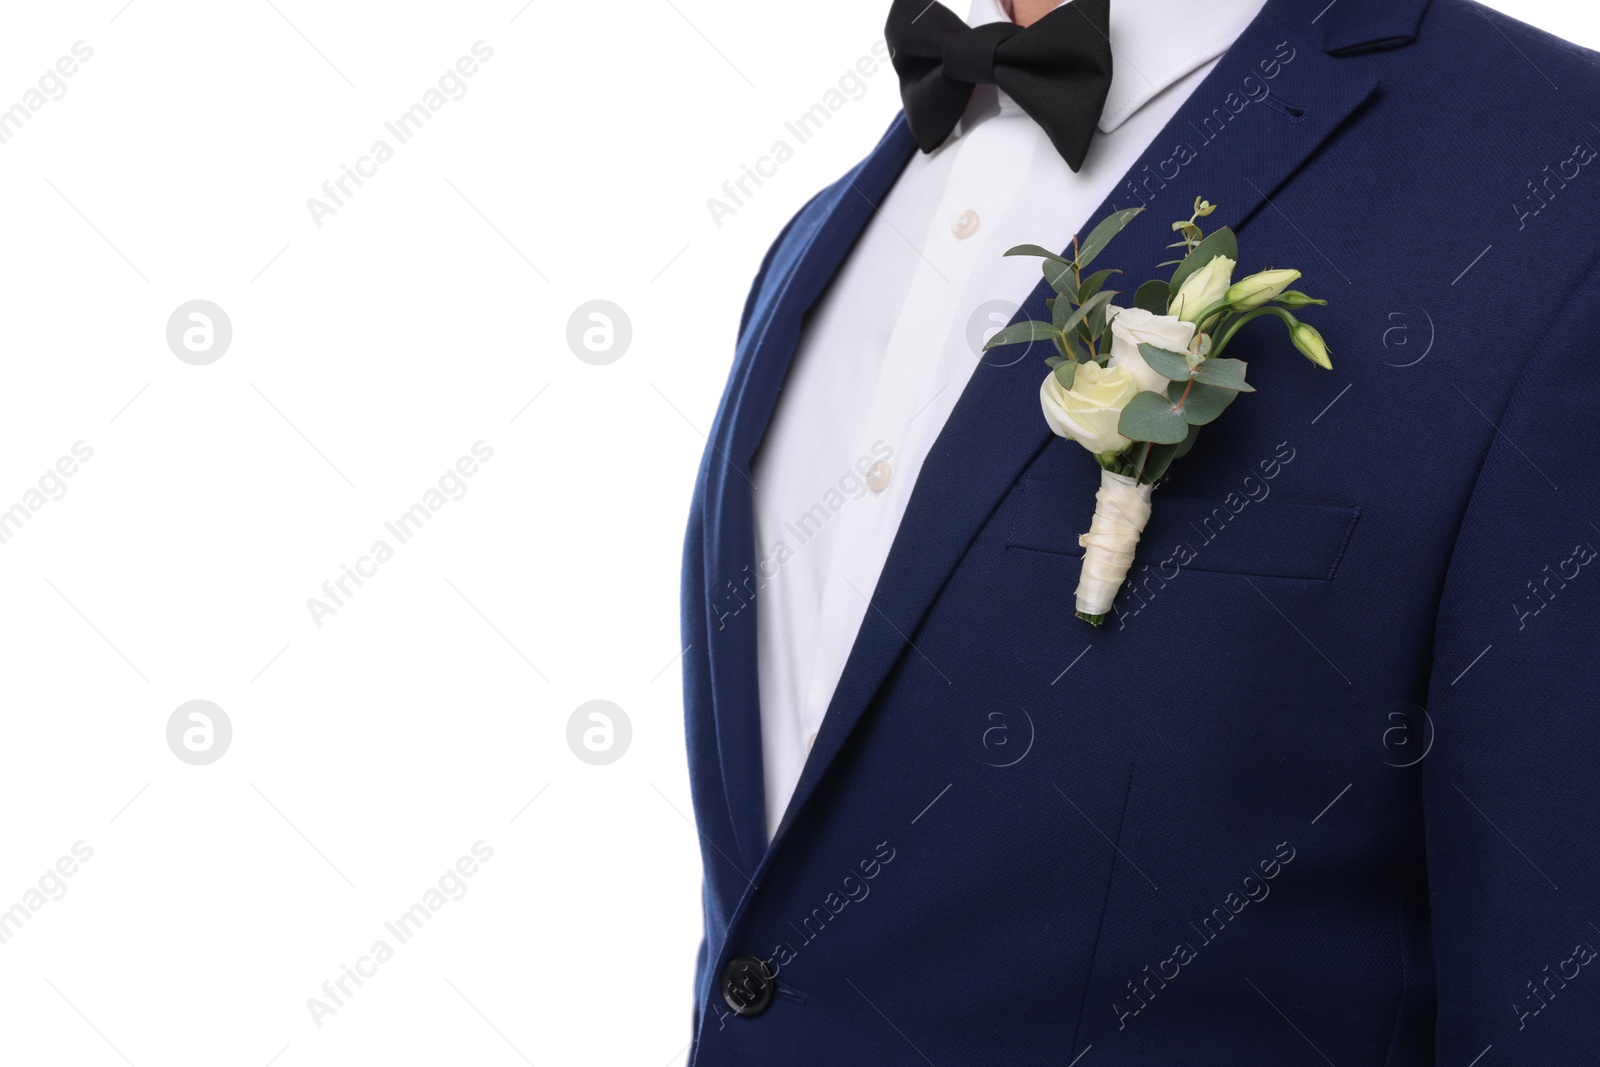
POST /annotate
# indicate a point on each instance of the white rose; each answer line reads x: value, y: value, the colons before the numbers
x: 1202, y: 289
x: 1088, y: 412
x: 1131, y: 327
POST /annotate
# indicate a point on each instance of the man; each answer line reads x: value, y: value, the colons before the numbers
x: 1322, y: 787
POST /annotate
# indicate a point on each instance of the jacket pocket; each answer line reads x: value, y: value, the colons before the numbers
x: 1237, y: 535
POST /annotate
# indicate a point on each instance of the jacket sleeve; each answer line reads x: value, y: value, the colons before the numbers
x: 694, y: 600
x: 1511, y: 786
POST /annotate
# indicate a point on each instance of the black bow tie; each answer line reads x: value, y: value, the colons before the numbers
x: 1058, y: 69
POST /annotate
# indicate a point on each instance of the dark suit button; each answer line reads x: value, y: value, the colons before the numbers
x: 747, y: 986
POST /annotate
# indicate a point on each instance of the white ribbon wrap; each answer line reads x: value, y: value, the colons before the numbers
x: 1121, y: 510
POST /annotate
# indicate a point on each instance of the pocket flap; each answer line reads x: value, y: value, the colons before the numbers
x: 1267, y: 538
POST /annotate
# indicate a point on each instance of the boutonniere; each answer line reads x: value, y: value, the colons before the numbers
x: 1137, y: 399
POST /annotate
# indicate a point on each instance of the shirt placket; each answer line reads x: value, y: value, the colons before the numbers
x: 927, y: 361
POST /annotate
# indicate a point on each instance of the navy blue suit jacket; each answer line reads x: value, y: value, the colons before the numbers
x: 1324, y: 789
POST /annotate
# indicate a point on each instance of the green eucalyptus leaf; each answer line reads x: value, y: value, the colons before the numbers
x: 1172, y: 365
x: 1153, y: 296
x: 1102, y: 234
x: 1061, y: 275
x: 1033, y: 250
x: 1099, y: 299
x: 1156, y: 463
x: 1128, y: 461
x: 1153, y: 417
x: 1096, y: 322
x: 1018, y: 332
x: 1056, y: 361
x: 1188, y: 442
x: 1223, y: 374
x: 1161, y: 457
x: 1202, y: 404
x: 1220, y: 243
x: 1064, y: 313
x: 1066, y: 373
x: 1093, y: 283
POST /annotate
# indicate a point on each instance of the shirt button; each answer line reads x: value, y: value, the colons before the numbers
x: 878, y: 476
x: 965, y: 224
x: 809, y: 742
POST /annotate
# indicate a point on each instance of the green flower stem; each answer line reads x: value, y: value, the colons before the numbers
x: 1215, y: 309
x: 1233, y: 327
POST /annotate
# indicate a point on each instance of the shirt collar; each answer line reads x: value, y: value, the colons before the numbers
x: 1154, y: 44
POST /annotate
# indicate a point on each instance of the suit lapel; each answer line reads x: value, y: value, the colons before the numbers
x: 821, y: 238
x: 1239, y: 152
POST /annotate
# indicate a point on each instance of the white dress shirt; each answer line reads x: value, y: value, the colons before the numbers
x: 890, y: 346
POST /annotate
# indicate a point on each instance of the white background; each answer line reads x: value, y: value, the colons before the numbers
x: 368, y: 353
